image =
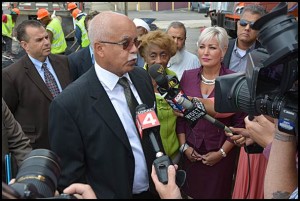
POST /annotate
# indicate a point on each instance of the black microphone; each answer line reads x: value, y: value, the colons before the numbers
x: 147, y: 123
x: 193, y: 111
x: 198, y: 111
x: 168, y: 86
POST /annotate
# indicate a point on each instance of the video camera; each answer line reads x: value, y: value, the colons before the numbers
x: 36, y: 178
x: 270, y: 84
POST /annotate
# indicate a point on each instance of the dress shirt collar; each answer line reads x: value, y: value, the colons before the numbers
x: 248, y: 50
x: 38, y: 64
x: 108, y: 78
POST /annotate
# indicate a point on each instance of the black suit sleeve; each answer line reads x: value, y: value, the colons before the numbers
x: 61, y: 127
x: 73, y: 64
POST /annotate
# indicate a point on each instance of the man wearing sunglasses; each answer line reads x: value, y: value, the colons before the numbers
x: 236, y: 55
x: 236, y: 60
x: 92, y: 127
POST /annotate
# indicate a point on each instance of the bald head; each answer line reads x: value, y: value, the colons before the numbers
x: 107, y: 25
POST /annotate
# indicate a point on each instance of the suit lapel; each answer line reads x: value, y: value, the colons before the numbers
x: 60, y: 71
x: 32, y: 73
x: 104, y: 108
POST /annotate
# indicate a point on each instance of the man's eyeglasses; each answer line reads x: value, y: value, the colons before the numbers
x: 127, y: 43
x: 244, y: 23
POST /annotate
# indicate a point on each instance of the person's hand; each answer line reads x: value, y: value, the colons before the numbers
x: 192, y: 154
x: 211, y: 158
x: 81, y: 191
x: 12, y: 181
x: 260, y: 129
x: 178, y: 113
x: 169, y: 190
x: 239, y: 137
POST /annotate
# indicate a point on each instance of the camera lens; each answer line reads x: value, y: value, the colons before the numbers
x: 42, y: 169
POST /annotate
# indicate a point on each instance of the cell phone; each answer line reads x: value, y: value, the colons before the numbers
x: 8, y: 170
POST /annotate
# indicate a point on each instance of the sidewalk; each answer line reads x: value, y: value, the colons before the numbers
x: 190, y: 19
x: 187, y: 23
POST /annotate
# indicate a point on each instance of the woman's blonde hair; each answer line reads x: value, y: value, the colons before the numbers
x: 215, y: 31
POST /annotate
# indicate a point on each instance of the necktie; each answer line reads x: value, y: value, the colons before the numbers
x: 131, y: 101
x: 50, y: 81
x: 145, y: 141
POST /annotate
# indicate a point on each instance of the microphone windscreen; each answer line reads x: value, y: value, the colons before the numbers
x: 158, y: 73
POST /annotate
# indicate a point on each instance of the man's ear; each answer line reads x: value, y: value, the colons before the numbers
x: 99, y: 49
x: 24, y: 45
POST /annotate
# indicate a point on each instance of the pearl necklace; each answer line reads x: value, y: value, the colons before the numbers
x: 207, y: 81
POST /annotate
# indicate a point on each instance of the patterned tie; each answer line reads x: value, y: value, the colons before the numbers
x: 131, y: 101
x: 50, y: 81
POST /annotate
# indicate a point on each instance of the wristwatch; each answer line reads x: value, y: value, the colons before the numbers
x: 183, y: 147
x: 223, y: 152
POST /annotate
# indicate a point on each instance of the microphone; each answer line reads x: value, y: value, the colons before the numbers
x: 147, y: 123
x: 168, y: 86
x: 198, y: 111
x: 193, y: 111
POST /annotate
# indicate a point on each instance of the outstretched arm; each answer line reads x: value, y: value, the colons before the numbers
x: 281, y: 177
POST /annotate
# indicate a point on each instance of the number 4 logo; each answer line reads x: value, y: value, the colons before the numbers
x: 150, y: 120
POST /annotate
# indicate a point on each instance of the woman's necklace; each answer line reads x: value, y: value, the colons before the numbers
x: 207, y: 81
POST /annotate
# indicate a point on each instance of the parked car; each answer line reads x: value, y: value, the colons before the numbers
x: 200, y: 7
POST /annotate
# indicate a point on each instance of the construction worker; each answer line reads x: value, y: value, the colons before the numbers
x: 8, y: 23
x: 80, y: 30
x: 71, y: 6
x: 55, y: 31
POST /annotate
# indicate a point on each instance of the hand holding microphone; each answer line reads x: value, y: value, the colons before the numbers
x: 147, y: 123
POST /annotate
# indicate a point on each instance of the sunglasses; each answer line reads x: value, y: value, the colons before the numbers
x: 244, y: 23
x: 127, y: 43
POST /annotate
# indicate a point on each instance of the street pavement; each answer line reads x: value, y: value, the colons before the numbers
x: 191, y: 19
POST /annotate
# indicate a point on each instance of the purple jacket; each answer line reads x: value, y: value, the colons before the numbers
x: 204, y: 131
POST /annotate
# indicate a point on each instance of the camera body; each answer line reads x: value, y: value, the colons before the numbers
x: 270, y: 84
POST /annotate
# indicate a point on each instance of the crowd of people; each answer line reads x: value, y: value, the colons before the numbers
x: 82, y: 107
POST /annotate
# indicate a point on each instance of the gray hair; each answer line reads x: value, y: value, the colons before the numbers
x: 255, y: 10
x: 177, y: 25
x: 215, y: 31
x: 99, y: 27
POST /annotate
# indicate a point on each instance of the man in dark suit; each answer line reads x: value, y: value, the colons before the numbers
x: 23, y: 83
x: 236, y: 55
x: 83, y: 60
x: 92, y: 129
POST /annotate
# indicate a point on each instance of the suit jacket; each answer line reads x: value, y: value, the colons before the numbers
x: 14, y: 140
x: 28, y: 97
x: 227, y: 57
x: 90, y: 139
x: 80, y: 62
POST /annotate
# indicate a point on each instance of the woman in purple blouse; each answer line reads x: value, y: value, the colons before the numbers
x: 208, y: 155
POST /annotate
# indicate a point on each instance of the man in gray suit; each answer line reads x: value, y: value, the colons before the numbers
x: 91, y: 126
x: 24, y: 87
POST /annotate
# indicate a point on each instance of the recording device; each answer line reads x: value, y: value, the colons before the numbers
x: 193, y: 111
x: 37, y: 177
x: 270, y: 84
x: 147, y: 123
